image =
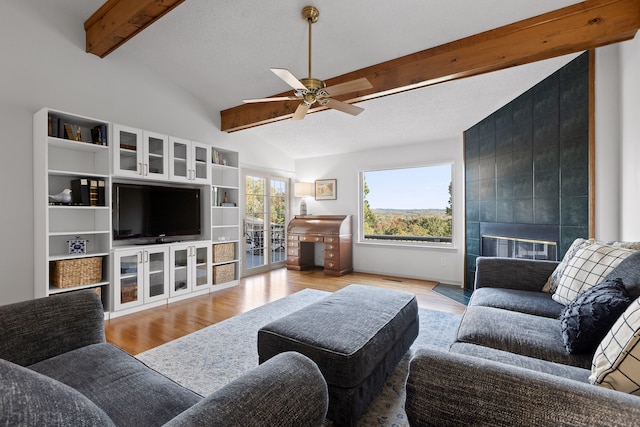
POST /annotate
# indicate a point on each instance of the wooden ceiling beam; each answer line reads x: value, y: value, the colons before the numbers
x: 583, y: 26
x: 119, y: 20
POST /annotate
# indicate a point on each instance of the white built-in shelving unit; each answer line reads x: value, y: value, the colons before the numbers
x: 133, y: 276
x: 58, y: 162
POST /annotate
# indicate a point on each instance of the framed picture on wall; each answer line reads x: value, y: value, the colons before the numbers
x: 326, y: 189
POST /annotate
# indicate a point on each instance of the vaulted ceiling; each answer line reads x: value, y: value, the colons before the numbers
x: 221, y: 52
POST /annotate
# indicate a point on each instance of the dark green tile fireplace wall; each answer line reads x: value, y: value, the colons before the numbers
x: 528, y: 163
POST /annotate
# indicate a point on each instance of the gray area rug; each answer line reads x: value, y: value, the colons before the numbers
x: 208, y: 359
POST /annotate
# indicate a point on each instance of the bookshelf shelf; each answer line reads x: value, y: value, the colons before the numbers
x: 59, y: 161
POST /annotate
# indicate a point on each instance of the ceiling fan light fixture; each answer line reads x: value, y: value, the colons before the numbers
x: 311, y: 90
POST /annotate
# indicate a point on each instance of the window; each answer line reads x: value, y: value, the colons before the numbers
x: 407, y: 206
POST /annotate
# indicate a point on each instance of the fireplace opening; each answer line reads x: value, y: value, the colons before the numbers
x: 526, y: 241
x: 512, y: 247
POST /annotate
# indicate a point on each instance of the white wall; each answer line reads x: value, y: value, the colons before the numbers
x: 607, y: 155
x: 398, y: 261
x: 630, y: 134
x: 44, y: 65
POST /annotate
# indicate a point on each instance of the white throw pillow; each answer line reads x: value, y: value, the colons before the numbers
x: 554, y: 279
x: 586, y: 269
x: 616, y: 363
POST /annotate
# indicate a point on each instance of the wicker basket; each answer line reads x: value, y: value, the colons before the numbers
x: 223, y: 273
x: 223, y: 252
x: 68, y: 273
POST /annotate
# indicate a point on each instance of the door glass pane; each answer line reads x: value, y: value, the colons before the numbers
x: 179, y: 159
x: 201, y: 162
x: 278, y: 210
x: 254, y: 220
x: 156, y: 274
x: 180, y: 269
x: 156, y: 155
x: 202, y: 267
x: 128, y: 151
x: 128, y: 279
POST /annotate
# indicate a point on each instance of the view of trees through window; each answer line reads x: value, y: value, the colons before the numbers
x: 408, y: 204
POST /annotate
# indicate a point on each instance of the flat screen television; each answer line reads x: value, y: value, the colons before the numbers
x: 154, y: 212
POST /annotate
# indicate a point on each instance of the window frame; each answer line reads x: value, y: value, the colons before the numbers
x: 399, y: 243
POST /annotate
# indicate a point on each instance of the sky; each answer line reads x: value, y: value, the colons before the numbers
x: 409, y: 188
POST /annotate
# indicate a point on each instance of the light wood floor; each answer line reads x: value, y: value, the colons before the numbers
x: 144, y: 330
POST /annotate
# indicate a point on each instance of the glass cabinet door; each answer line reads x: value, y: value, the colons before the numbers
x: 128, y: 279
x: 156, y: 274
x: 201, y: 154
x: 180, y: 160
x: 180, y: 283
x: 127, y: 151
x: 156, y: 163
x: 202, y: 266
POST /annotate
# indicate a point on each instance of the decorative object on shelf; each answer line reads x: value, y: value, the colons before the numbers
x: 326, y: 189
x: 304, y: 190
x: 78, y: 133
x: 223, y: 252
x: 78, y: 246
x: 63, y: 197
x: 68, y: 273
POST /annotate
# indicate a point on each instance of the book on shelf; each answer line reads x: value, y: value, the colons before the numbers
x: 102, y: 199
x: 99, y: 134
x: 80, y: 191
x: 68, y: 132
x: 93, y: 192
x: 217, y: 158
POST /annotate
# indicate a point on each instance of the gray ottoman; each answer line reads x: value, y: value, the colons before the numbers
x: 356, y: 336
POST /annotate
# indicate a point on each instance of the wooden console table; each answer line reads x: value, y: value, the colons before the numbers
x: 334, y: 231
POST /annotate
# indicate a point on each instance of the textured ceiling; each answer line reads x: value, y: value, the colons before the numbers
x: 221, y: 52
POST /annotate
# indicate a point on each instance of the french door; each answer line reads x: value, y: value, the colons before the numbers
x: 264, y: 221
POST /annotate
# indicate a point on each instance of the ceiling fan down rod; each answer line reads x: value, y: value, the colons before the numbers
x: 310, y: 14
x: 310, y: 23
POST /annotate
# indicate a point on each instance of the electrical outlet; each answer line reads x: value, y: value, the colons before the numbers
x: 443, y: 262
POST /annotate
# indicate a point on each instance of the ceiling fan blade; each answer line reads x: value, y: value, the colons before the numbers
x: 275, y: 98
x: 344, y: 107
x: 301, y: 111
x: 289, y: 78
x: 352, y: 86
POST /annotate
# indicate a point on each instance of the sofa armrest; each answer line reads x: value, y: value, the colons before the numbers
x: 446, y: 388
x: 286, y: 390
x: 36, y: 330
x: 513, y: 273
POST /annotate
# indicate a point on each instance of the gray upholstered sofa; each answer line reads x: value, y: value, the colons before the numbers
x: 508, y: 365
x: 57, y: 370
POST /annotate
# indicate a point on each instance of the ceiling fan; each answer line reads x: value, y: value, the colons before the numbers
x: 311, y: 90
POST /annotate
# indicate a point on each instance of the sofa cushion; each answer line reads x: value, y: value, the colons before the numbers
x: 538, y: 303
x: 520, y: 333
x: 126, y: 389
x: 538, y: 365
x: 616, y: 364
x: 588, y: 318
x: 31, y: 399
x: 629, y: 271
x: 586, y: 269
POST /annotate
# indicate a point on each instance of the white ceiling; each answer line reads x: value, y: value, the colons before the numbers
x: 221, y: 52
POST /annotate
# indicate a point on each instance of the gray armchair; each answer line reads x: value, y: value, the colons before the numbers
x: 58, y: 370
